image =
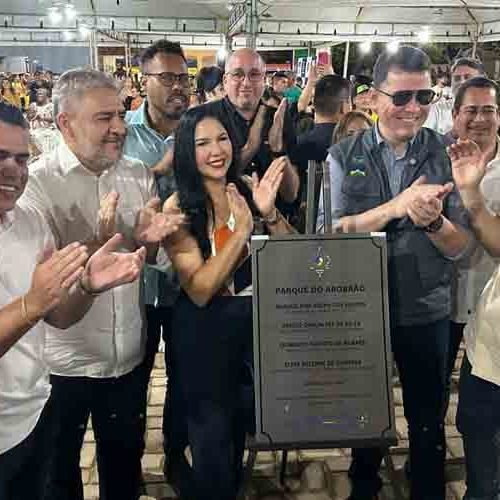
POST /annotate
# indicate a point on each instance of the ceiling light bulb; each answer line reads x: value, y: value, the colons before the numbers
x: 365, y: 47
x: 424, y: 36
x: 70, y: 12
x: 393, y: 46
x: 55, y: 16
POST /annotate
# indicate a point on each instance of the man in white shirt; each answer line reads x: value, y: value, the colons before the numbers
x: 476, y: 167
x: 36, y: 283
x: 475, y: 117
x: 96, y: 365
x: 440, y: 114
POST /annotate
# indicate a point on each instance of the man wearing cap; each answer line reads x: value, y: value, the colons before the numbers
x: 362, y: 97
x: 280, y: 83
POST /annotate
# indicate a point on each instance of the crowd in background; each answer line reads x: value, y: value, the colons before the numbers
x: 32, y: 93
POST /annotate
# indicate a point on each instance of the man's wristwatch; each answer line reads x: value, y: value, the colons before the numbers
x: 435, y: 226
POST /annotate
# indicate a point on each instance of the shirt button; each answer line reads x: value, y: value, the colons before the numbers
x: 413, y: 161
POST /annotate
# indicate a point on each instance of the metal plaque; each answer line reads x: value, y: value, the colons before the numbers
x: 323, y: 365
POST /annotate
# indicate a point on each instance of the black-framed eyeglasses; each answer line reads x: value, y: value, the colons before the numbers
x: 402, y: 97
x: 168, y: 79
x: 20, y: 158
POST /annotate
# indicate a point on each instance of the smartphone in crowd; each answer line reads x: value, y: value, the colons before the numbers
x: 323, y: 59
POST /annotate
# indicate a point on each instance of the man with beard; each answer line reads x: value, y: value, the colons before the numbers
x: 88, y: 191
x: 37, y: 287
x: 150, y: 139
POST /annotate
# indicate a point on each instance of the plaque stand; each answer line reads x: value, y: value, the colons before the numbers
x: 318, y: 180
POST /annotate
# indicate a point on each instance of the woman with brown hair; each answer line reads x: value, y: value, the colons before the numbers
x: 350, y: 124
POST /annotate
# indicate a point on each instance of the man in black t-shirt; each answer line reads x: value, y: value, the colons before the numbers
x: 244, y: 82
x: 331, y: 102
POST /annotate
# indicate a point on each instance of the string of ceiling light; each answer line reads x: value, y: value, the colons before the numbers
x: 61, y: 11
x: 64, y: 11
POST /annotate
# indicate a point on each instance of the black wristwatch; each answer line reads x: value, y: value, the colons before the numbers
x: 435, y: 226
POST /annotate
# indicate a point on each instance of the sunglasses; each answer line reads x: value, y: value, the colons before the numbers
x: 402, y: 97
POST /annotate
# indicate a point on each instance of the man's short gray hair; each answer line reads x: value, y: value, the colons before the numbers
x: 73, y: 84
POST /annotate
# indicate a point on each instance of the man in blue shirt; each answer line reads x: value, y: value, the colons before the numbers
x: 150, y: 139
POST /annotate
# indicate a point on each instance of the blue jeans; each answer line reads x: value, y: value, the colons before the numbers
x: 478, y: 419
x: 421, y: 355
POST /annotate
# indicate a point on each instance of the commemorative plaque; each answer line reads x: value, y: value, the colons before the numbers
x: 323, y: 366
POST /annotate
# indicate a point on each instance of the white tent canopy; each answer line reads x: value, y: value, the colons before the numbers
x: 275, y: 23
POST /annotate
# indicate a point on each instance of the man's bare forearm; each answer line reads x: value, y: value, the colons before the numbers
x: 370, y: 221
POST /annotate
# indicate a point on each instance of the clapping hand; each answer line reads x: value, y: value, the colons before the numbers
x: 254, y: 140
x: 55, y: 274
x: 241, y: 213
x: 275, y: 137
x: 426, y: 208
x: 108, y: 268
x: 153, y: 225
x: 468, y: 164
x: 264, y: 190
x: 106, y: 217
x: 418, y: 194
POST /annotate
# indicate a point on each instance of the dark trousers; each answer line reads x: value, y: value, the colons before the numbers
x: 213, y: 379
x: 456, y: 336
x: 159, y: 325
x: 23, y: 469
x: 478, y: 419
x: 118, y: 409
x: 159, y: 320
x: 421, y: 355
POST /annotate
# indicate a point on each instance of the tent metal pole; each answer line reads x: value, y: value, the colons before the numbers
x: 346, y: 58
x: 127, y: 53
x: 474, y: 49
x: 96, y: 51
x: 91, y: 51
x: 252, y: 24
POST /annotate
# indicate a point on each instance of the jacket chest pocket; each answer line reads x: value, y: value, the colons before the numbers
x: 361, y: 186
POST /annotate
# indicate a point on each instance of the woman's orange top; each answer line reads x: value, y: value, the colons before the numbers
x: 240, y: 282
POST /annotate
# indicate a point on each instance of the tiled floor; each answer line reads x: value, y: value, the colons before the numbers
x: 318, y: 475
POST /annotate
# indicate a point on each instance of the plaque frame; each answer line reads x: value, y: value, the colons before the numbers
x: 262, y: 440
